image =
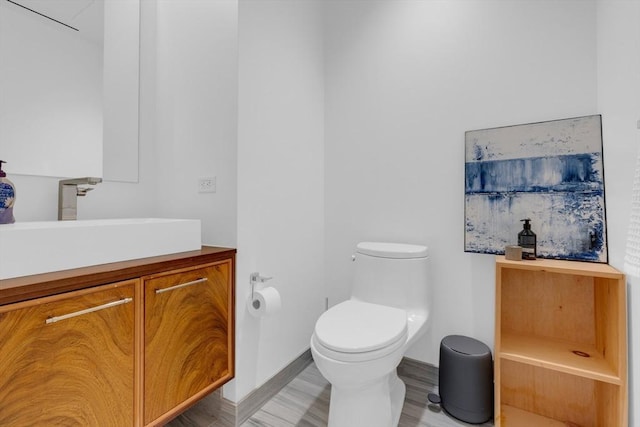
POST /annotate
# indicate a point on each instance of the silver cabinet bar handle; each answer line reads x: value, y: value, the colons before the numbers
x: 183, y: 285
x: 88, y: 310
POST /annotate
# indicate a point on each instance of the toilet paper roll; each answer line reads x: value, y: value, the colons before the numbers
x: 265, y: 302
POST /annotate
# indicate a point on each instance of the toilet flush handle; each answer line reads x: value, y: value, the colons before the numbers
x: 353, y: 257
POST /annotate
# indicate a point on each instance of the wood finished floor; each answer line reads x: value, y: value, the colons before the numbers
x: 304, y: 402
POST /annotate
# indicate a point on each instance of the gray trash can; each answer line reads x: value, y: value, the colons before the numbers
x: 466, y: 379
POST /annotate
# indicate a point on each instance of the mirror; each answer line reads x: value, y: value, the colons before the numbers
x: 69, y: 87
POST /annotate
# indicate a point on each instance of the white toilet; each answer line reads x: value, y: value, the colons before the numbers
x: 358, y: 343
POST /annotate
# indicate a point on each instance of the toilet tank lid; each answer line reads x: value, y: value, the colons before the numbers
x: 392, y: 250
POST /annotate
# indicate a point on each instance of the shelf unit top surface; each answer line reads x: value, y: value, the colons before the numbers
x: 562, y: 266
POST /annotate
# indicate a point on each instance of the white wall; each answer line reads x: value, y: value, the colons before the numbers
x: 404, y: 81
x: 196, y: 113
x: 280, y: 183
x: 619, y: 103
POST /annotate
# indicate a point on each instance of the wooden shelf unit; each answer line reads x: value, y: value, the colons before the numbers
x: 560, y: 344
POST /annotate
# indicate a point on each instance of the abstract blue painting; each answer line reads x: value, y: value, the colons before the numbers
x: 551, y: 172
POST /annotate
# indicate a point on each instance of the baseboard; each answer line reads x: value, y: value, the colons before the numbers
x: 251, y: 403
x: 421, y: 372
x: 225, y: 413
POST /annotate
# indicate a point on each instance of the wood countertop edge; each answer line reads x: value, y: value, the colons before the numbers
x: 41, y: 285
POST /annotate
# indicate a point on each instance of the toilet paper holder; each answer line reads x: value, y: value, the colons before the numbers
x: 254, y: 279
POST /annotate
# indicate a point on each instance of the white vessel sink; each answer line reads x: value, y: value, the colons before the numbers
x: 40, y: 247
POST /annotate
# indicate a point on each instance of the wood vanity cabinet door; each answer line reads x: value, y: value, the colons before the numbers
x: 187, y: 350
x: 68, y: 359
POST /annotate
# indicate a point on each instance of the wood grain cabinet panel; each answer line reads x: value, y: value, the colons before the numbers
x: 130, y: 353
x: 188, y: 344
x: 69, y: 359
x: 560, y: 344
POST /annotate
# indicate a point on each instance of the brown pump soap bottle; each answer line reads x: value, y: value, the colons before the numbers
x: 527, y: 240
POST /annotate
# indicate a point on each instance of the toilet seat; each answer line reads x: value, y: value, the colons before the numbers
x: 359, y: 331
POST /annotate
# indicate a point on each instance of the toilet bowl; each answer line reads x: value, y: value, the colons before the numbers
x: 358, y: 344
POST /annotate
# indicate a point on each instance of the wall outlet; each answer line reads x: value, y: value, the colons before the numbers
x: 207, y: 184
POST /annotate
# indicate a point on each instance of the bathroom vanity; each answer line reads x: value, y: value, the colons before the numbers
x: 131, y: 343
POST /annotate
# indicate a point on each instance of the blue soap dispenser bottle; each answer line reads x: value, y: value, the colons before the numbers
x: 527, y: 240
x: 7, y: 198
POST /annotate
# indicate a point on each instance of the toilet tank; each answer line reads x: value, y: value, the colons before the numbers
x: 392, y: 274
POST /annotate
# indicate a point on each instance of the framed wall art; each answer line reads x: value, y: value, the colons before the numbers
x: 551, y: 172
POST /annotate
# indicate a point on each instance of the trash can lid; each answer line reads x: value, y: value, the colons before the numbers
x: 465, y: 345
